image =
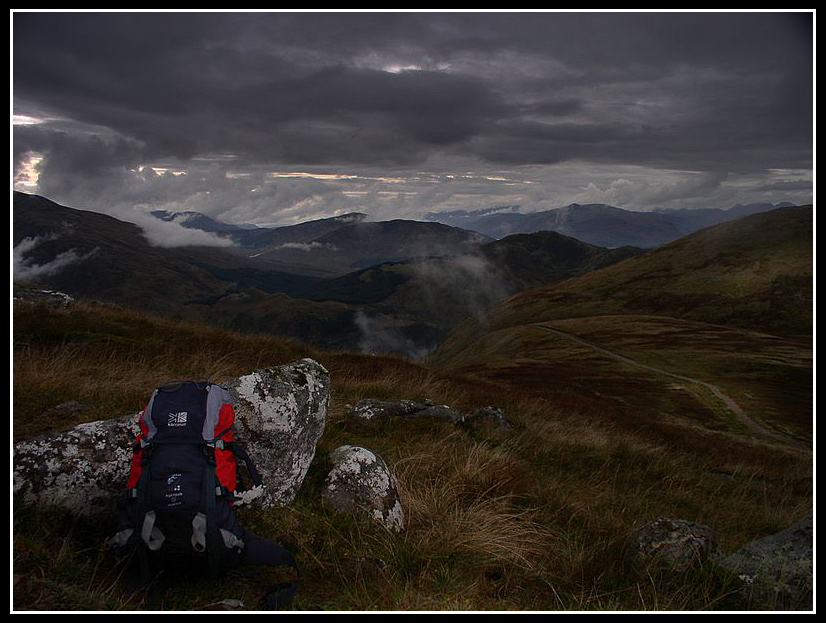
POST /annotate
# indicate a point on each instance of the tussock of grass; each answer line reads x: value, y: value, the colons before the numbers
x: 462, y: 504
x: 534, y: 518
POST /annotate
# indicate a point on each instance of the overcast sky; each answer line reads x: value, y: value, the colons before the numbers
x: 278, y: 117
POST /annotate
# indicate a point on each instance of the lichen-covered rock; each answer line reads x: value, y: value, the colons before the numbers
x: 370, y: 409
x: 82, y: 469
x: 671, y: 544
x: 777, y: 571
x: 360, y: 482
x: 280, y: 415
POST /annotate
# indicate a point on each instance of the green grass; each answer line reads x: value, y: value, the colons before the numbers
x: 534, y: 518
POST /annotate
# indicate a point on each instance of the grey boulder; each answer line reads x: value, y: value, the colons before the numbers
x: 280, y: 416
x: 360, y: 483
x: 777, y: 571
x: 371, y: 410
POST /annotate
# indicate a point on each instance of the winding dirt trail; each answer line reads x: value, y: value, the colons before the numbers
x: 727, y: 400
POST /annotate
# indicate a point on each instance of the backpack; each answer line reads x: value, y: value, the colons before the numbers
x: 178, y: 508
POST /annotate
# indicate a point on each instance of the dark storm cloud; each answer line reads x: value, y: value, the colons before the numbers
x: 86, y: 160
x: 208, y: 92
x: 703, y: 92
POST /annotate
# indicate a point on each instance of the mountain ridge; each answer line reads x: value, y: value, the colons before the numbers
x: 408, y: 298
x: 600, y: 224
x: 408, y: 294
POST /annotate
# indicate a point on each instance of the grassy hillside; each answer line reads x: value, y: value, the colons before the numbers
x: 651, y: 367
x: 724, y: 314
x: 534, y: 518
x: 753, y: 273
x: 418, y: 301
x: 401, y: 307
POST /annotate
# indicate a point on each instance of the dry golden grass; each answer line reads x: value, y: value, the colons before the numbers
x: 533, y: 518
x: 461, y: 503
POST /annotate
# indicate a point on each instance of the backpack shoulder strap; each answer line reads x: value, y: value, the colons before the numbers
x: 220, y: 413
x: 241, y: 452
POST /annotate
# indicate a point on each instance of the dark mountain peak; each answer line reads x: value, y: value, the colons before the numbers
x: 403, y: 228
x: 600, y: 209
x: 540, y: 239
x: 196, y: 220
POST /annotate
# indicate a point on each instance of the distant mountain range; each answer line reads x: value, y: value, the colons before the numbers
x: 342, y: 282
x: 333, y: 246
x: 262, y: 238
x: 359, y: 244
x: 598, y: 224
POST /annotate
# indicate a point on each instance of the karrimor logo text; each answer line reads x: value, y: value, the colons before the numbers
x: 177, y: 419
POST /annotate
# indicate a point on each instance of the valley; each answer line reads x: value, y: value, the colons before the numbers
x: 395, y: 286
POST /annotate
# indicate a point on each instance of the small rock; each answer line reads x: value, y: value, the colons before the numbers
x: 226, y: 604
x: 492, y: 414
x: 672, y: 544
x: 71, y: 406
x: 360, y: 482
x: 64, y: 410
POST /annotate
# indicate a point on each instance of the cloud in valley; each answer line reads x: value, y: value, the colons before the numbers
x: 25, y: 270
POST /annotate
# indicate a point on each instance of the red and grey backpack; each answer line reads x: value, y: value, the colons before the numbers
x: 182, y: 481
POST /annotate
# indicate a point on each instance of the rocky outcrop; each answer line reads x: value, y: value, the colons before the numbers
x: 372, y: 410
x: 492, y: 415
x: 369, y: 410
x: 777, y: 571
x: 671, y: 544
x: 280, y: 414
x: 361, y: 483
x: 41, y: 297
